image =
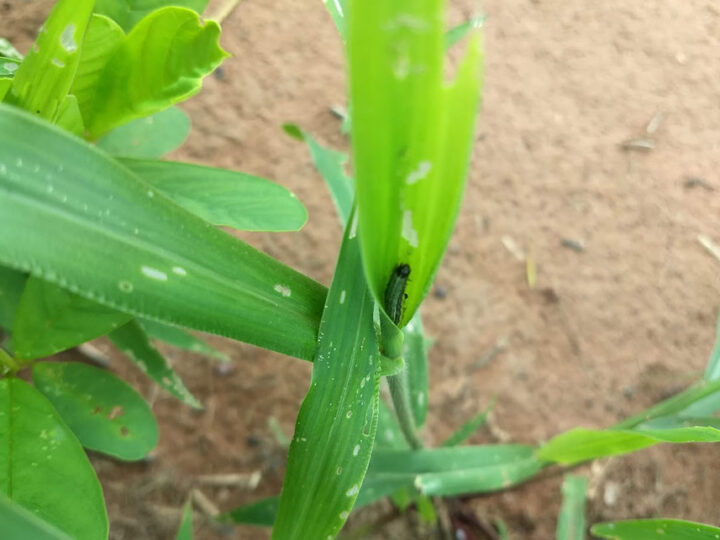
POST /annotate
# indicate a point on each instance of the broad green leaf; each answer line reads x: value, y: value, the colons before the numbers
x: 331, y: 166
x: 102, y: 39
x: 44, y: 78
x: 50, y: 319
x: 338, y: 11
x: 44, y: 468
x: 132, y: 340
x: 161, y: 62
x: 12, y: 284
x: 177, y: 337
x: 127, y: 13
x: 655, y: 529
x: 103, y: 412
x: 416, y: 368
x: 457, y: 33
x: 571, y: 522
x: 8, y: 66
x: 21, y: 524
x: 581, y: 444
x: 223, y: 197
x: 185, y: 532
x: 7, y: 50
x: 150, y: 137
x: 336, y: 424
x: 454, y: 471
x: 79, y: 219
x: 412, y: 136
x: 68, y: 116
x: 469, y: 427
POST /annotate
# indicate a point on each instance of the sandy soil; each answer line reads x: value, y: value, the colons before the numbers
x: 607, y: 330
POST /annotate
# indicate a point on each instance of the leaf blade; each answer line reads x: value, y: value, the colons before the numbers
x: 105, y: 413
x: 201, y: 278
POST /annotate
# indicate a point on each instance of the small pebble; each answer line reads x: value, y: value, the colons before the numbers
x: 224, y: 369
x: 219, y: 73
x: 575, y: 245
x: 440, y: 292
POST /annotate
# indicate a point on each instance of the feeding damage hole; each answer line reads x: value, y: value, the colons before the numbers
x: 116, y: 411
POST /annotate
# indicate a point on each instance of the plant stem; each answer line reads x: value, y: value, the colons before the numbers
x: 401, y: 401
x: 225, y: 10
x: 7, y: 364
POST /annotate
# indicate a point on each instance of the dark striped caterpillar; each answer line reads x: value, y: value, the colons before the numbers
x: 395, y: 292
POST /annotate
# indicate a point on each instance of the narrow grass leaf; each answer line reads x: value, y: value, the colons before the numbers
x: 5, y: 85
x: 19, y: 523
x: 710, y: 404
x: 416, y: 368
x: 457, y: 33
x: 571, y: 522
x: 223, y: 197
x: 162, y: 61
x: 260, y: 513
x: 50, y: 319
x: 412, y: 136
x: 77, y: 218
x: 132, y: 340
x: 389, y: 436
x: 44, y: 468
x: 12, y: 284
x: 177, y: 337
x: 129, y: 12
x: 331, y: 166
x: 336, y: 425
x: 150, y: 137
x: 45, y: 76
x: 103, y: 412
x: 469, y: 427
x: 185, y: 532
x: 655, y: 529
x: 68, y: 116
x: 455, y: 471
x: 338, y: 10
x: 581, y: 444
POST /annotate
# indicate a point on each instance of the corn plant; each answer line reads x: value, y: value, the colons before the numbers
x: 103, y: 238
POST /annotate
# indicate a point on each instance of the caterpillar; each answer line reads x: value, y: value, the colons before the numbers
x: 395, y: 292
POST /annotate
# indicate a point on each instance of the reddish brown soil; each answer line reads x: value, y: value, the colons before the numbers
x: 606, y: 331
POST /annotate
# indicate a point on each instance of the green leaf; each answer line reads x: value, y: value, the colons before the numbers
x: 104, y: 413
x: 7, y: 50
x: 68, y: 116
x: 336, y: 425
x: 185, y: 532
x: 660, y: 529
x: 44, y: 78
x: 21, y: 524
x: 162, y: 61
x: 150, y: 137
x: 5, y: 85
x: 331, y: 166
x: 260, y: 513
x: 457, y: 33
x: 83, y: 221
x: 469, y: 427
x: 8, y: 66
x: 102, y: 39
x: 127, y: 13
x: 389, y: 436
x: 44, y: 468
x: 338, y: 10
x: 417, y: 368
x: 454, y: 471
x: 581, y: 444
x: 223, y: 197
x: 571, y: 523
x: 412, y: 136
x: 177, y: 337
x: 133, y: 341
x: 710, y: 404
x: 50, y: 319
x: 12, y: 284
